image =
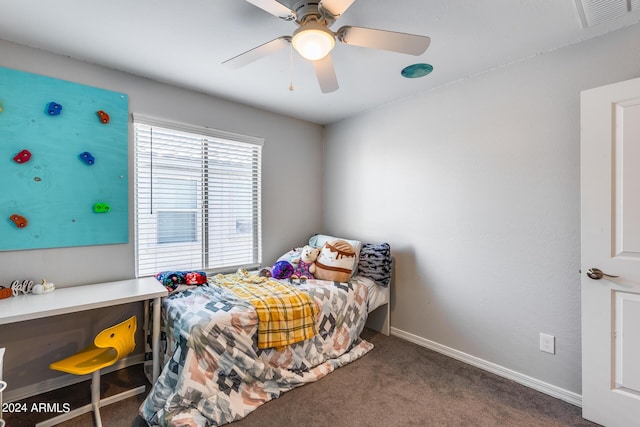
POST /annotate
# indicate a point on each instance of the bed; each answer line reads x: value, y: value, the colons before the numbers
x: 217, y: 367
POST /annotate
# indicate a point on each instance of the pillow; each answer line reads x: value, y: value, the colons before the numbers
x: 291, y: 255
x: 335, y: 261
x: 318, y: 241
x: 375, y: 263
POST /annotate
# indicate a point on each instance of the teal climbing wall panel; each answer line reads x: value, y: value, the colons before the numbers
x: 62, y: 168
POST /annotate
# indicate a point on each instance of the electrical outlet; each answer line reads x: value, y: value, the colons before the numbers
x: 547, y: 343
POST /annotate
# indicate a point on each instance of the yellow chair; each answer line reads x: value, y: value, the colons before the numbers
x: 109, y: 346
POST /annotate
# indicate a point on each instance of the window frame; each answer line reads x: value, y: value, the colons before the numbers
x: 210, y: 138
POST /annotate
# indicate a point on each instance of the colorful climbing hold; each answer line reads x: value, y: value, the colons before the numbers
x: 101, y: 208
x: 19, y: 220
x: 104, y: 117
x: 22, y: 157
x: 87, y: 158
x: 54, y: 108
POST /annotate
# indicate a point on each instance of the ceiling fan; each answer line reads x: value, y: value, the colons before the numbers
x: 313, y: 39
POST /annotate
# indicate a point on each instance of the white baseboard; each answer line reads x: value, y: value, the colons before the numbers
x: 541, y: 386
x: 13, y: 395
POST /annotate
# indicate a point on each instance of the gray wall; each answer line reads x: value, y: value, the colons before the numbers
x: 292, y: 152
x: 476, y: 187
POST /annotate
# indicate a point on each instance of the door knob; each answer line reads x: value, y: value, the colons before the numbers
x: 597, y: 274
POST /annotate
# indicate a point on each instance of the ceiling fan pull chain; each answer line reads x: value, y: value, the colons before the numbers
x: 291, y: 67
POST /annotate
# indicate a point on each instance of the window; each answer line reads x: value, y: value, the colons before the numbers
x: 198, y: 202
x: 178, y: 216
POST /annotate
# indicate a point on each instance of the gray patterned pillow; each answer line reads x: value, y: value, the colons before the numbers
x: 375, y: 262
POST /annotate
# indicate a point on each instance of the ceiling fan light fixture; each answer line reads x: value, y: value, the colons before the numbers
x: 313, y: 41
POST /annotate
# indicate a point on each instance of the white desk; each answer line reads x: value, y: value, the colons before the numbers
x: 88, y: 297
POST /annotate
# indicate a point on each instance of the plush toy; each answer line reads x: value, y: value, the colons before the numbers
x: 176, y: 281
x: 43, y: 288
x: 336, y: 261
x: 304, y: 267
x: 282, y: 270
x: 264, y: 272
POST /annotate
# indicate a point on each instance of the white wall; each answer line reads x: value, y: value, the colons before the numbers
x: 476, y: 187
x: 292, y: 150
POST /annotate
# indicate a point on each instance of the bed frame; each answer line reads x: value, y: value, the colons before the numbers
x: 380, y: 319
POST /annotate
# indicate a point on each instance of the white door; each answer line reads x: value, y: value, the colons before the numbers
x: 610, y: 232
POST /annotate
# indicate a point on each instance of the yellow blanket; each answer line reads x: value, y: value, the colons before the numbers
x: 285, y: 314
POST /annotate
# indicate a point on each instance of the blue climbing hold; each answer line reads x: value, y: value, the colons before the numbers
x: 54, y: 109
x: 87, y: 158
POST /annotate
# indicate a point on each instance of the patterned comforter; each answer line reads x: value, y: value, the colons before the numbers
x: 215, y: 373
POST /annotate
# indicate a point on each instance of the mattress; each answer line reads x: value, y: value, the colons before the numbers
x: 378, y: 294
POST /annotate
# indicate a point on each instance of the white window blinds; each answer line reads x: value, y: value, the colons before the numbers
x: 198, y: 203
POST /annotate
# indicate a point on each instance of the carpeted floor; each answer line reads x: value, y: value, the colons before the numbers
x: 397, y: 384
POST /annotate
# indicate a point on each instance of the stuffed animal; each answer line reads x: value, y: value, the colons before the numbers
x: 43, y: 288
x: 264, y: 272
x: 282, y: 270
x: 336, y: 261
x: 304, y: 267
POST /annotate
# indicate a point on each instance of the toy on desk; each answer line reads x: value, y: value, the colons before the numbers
x: 104, y: 117
x: 87, y: 158
x: 22, y: 157
x: 54, y: 108
x: 101, y: 208
x: 5, y: 292
x: 43, y: 288
x: 23, y: 287
x: 19, y: 220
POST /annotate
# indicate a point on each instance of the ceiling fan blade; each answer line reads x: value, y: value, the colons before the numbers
x: 335, y: 7
x: 326, y: 74
x: 411, y: 44
x: 275, y: 8
x: 259, y: 52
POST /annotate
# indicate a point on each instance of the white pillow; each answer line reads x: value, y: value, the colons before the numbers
x: 291, y: 255
x: 317, y: 240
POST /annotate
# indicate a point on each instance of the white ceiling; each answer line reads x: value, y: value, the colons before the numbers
x: 184, y: 42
